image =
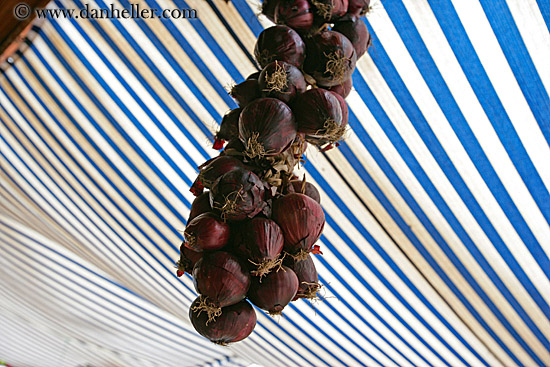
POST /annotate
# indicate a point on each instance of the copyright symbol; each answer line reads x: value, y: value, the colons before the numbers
x: 21, y: 11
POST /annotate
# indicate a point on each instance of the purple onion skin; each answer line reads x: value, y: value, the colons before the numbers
x: 344, y: 88
x: 268, y: 9
x: 297, y: 14
x: 245, y: 188
x: 213, y: 168
x: 338, y: 8
x: 272, y: 120
x: 309, y: 189
x: 206, y: 232
x: 344, y: 107
x: 280, y: 43
x: 262, y: 239
x: 200, y: 205
x: 229, y: 126
x: 254, y: 76
x: 320, y: 48
x: 188, y: 259
x: 275, y: 291
x: 233, y: 146
x: 356, y: 31
x: 235, y: 323
x: 221, y: 278
x: 245, y: 92
x: 306, y: 273
x: 301, y: 219
x: 296, y: 84
x: 358, y: 7
x: 314, y: 107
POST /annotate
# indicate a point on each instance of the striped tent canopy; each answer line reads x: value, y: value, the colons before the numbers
x: 437, y: 238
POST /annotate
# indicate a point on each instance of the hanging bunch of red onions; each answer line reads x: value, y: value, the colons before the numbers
x: 229, y: 128
x: 261, y: 242
x: 302, y: 221
x: 266, y: 128
x: 297, y: 14
x: 275, y: 291
x: 330, y: 58
x: 308, y: 279
x: 222, y: 280
x: 319, y: 116
x: 237, y: 195
x: 358, y: 7
x: 356, y: 31
x: 213, y: 168
x: 251, y: 236
x: 330, y: 10
x: 206, y: 232
x: 281, y: 80
x: 280, y: 43
x: 234, y: 323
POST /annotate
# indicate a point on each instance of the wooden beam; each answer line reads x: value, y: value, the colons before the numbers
x: 10, y: 26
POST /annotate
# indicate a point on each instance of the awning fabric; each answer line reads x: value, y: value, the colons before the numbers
x: 437, y: 240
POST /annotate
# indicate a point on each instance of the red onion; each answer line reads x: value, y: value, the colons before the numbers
x: 343, y: 88
x: 319, y: 116
x: 344, y: 107
x: 268, y: 9
x: 302, y: 221
x: 206, y: 233
x: 229, y: 128
x: 330, y: 58
x: 238, y: 195
x: 263, y: 242
x: 235, y: 323
x: 234, y: 148
x: 358, y: 7
x: 280, y: 43
x: 255, y: 75
x: 245, y: 92
x: 297, y: 14
x: 356, y: 31
x: 275, y: 291
x: 304, y: 187
x: 308, y: 278
x: 200, y: 205
x: 213, y: 168
x: 221, y: 279
x: 266, y: 128
x: 330, y: 10
x: 281, y: 80
x: 188, y: 259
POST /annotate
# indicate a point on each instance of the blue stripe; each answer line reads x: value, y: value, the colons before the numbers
x: 458, y: 40
x: 248, y: 16
x: 518, y: 57
x: 544, y: 7
x: 431, y: 74
x: 150, y: 281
